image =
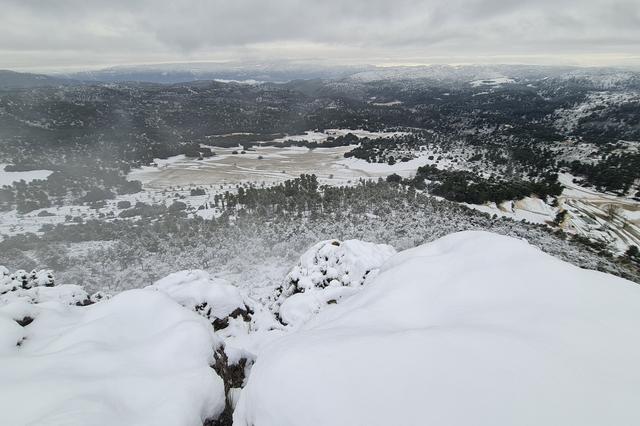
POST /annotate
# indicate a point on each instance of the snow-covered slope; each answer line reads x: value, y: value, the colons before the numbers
x: 137, y: 359
x: 474, y: 328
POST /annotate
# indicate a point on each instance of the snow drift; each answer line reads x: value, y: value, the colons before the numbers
x: 136, y: 359
x: 242, y: 322
x: 212, y: 298
x: 474, y: 328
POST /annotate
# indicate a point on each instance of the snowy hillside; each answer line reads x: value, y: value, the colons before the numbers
x: 474, y: 328
x: 471, y: 328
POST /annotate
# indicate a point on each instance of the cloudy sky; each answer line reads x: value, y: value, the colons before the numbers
x: 42, y: 34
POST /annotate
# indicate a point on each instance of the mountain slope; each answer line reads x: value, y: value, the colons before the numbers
x: 474, y: 328
x: 20, y: 80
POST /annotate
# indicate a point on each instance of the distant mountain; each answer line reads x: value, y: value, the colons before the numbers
x: 310, y: 78
x: 19, y: 80
x: 228, y: 71
x: 479, y: 75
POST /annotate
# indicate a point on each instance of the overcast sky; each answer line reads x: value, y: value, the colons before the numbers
x: 88, y: 33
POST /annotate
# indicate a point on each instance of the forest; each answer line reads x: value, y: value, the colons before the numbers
x: 102, y: 131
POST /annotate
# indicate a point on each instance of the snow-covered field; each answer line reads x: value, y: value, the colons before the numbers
x: 473, y: 328
x: 268, y: 164
x: 261, y: 164
x: 7, y: 178
x: 490, y: 82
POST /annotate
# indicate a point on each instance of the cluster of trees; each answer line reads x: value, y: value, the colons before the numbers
x: 615, y: 173
x: 467, y: 187
x: 195, y: 150
x: 23, y: 197
x: 294, y: 195
x: 390, y: 150
x: 534, y: 159
x: 77, y: 184
x: 331, y: 142
x: 617, y: 121
x: 144, y: 210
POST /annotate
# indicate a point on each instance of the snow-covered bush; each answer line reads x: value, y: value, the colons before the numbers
x: 325, y: 274
x: 68, y: 294
x: 212, y: 298
x: 24, y: 280
x: 6, y: 283
x: 42, y: 278
x: 474, y: 328
x: 21, y: 279
x: 38, y: 287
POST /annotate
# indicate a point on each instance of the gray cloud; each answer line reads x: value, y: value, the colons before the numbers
x: 84, y: 32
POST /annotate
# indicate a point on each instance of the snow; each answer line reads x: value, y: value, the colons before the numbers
x: 68, y: 294
x: 196, y: 287
x: 36, y: 287
x: 244, y: 324
x: 598, y: 216
x: 7, y: 178
x: 405, y: 169
x: 310, y: 136
x: 326, y: 273
x: 390, y: 103
x: 431, y: 72
x: 136, y: 359
x: 568, y: 119
x: 263, y: 164
x: 473, y: 328
x: 491, y: 82
x: 531, y: 209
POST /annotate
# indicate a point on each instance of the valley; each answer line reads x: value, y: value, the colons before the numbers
x: 502, y: 143
x: 319, y: 213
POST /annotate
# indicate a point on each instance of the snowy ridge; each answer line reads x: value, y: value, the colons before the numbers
x: 433, y: 72
x: 474, y: 328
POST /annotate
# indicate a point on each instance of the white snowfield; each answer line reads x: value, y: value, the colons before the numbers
x: 472, y: 329
x: 136, y: 359
x: 8, y: 178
